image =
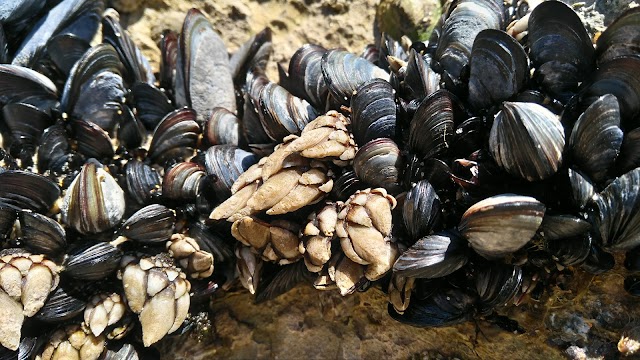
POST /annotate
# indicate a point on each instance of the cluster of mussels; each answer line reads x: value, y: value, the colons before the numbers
x: 457, y: 174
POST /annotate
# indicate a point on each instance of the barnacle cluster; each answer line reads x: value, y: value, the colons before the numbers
x: 457, y: 175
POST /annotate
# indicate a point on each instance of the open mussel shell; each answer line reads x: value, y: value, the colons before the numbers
x: 42, y: 234
x: 344, y: 72
x: 444, y: 308
x: 63, y: 304
x: 420, y: 79
x: 621, y: 38
x: 94, y: 202
x: 621, y: 78
x: 497, y: 284
x: 596, y: 138
x: 431, y: 128
x: 618, y: 212
x: 421, y: 210
x: 225, y: 163
x: 183, y: 181
x: 373, y: 111
x: 305, y: 78
x: 175, y: 137
x: 464, y: 21
x: 377, y: 163
x: 527, y: 141
x: 92, y: 261
x: 222, y: 127
x: 282, y: 113
x: 65, y: 14
x: 433, y: 256
x: 582, y: 189
x: 136, y: 66
x: 555, y: 227
x: 202, y: 57
x: 499, y: 68
x: 151, y: 225
x: 142, y: 181
x: 26, y: 190
x: 561, y: 48
x: 501, y: 224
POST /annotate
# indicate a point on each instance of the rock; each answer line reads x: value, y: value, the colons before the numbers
x: 413, y: 18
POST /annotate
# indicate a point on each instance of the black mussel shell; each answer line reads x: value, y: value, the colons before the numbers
x: 136, y: 66
x: 433, y: 256
x: 142, y: 181
x: 42, y: 234
x: 501, y: 224
x: 344, y: 72
x: 253, y: 54
x: 378, y: 164
x: 598, y: 261
x: 582, y: 189
x: 8, y: 216
x: 26, y: 122
x: 203, y: 56
x: 497, y: 284
x: 629, y: 157
x: 346, y: 185
x: 131, y: 132
x: 175, y: 137
x: 570, y: 250
x: 152, y: 224
x: 527, y: 141
x: 420, y: 79
x: 282, y: 113
x: 621, y: 38
x: 63, y: 304
x: 54, y: 152
x: 278, y: 282
x: 469, y: 137
x: 431, y: 129
x: 421, y: 210
x: 305, y: 78
x: 596, y: 138
x: 79, y: 16
x: 373, y: 111
x: 92, y: 141
x: 94, y: 202
x: 222, y: 127
x: 151, y: 103
x: 210, y: 242
x: 19, y: 83
x: 225, y: 163
x: 632, y: 260
x: 618, y: 212
x: 183, y: 181
x: 444, y: 308
x: 65, y: 50
x: 499, y: 68
x: 464, y: 21
x: 26, y: 190
x: 632, y: 285
x: 92, y: 261
x: 555, y: 227
x: 561, y: 48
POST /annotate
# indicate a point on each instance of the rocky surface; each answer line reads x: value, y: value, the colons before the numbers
x: 581, y: 317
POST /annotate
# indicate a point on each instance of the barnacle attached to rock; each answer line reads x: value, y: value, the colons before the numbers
x: 299, y: 183
x: 316, y: 238
x: 73, y: 342
x: 364, y: 227
x: 276, y: 241
x: 102, y: 311
x: 25, y: 283
x: 158, y: 292
x: 186, y: 251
